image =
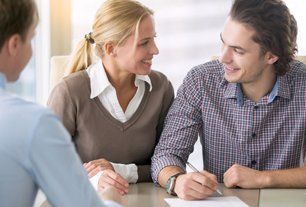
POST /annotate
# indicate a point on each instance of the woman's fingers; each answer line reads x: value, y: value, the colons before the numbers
x: 111, y: 178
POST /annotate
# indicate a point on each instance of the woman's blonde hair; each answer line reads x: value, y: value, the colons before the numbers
x: 114, y: 22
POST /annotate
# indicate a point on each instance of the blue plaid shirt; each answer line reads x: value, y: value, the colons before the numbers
x: 267, y: 135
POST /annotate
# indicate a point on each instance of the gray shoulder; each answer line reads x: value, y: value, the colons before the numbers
x: 157, y: 76
x: 78, y: 80
x: 73, y: 84
x: 159, y: 79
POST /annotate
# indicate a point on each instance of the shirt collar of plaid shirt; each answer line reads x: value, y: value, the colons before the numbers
x: 281, y: 88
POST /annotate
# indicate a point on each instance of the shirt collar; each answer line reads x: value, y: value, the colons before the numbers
x: 274, y: 91
x: 230, y: 89
x: 144, y: 78
x: 99, y: 81
x: 281, y: 88
x: 233, y: 90
x: 2, y: 80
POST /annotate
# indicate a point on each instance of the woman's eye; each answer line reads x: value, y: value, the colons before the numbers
x: 144, y: 43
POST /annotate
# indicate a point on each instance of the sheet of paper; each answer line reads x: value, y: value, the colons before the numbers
x: 228, y: 201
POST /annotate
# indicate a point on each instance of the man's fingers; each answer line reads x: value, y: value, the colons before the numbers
x: 232, y: 177
x: 202, y: 190
x: 205, y: 181
x: 196, y: 195
x: 211, y: 176
x: 229, y: 171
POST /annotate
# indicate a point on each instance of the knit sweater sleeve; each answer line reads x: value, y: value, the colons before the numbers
x: 61, y: 103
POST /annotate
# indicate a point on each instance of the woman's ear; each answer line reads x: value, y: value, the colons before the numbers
x: 110, y: 49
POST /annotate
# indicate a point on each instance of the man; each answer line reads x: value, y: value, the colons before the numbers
x: 248, y: 108
x: 35, y: 149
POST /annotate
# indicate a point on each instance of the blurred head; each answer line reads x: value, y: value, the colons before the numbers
x: 275, y: 29
x: 18, y: 19
x: 118, y: 23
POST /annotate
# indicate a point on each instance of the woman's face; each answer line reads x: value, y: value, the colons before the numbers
x: 137, y: 57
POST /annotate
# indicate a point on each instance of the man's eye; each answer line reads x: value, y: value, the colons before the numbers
x: 240, y: 52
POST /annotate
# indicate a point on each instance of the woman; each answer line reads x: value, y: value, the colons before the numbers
x: 114, y: 108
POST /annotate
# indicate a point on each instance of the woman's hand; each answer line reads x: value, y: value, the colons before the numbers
x: 111, y: 178
x: 110, y: 193
x: 95, y: 166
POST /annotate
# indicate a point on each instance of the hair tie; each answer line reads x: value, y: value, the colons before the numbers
x: 89, y: 39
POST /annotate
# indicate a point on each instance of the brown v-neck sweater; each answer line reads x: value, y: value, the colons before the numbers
x: 97, y: 134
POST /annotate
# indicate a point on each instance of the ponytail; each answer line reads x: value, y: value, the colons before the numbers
x: 82, y: 57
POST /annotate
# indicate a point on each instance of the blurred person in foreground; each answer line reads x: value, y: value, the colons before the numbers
x: 35, y: 149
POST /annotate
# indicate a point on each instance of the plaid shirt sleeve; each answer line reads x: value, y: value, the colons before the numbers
x: 181, y: 129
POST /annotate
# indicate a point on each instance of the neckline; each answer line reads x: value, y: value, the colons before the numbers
x: 115, y: 122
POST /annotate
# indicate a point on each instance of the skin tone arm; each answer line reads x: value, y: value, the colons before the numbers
x: 190, y: 186
x: 245, y: 177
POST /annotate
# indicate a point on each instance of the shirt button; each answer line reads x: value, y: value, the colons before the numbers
x: 253, y: 135
x: 253, y: 162
x: 255, y: 107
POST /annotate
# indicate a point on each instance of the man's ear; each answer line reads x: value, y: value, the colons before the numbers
x: 13, y: 44
x: 271, y: 58
x: 110, y: 49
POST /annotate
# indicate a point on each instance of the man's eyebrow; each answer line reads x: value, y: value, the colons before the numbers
x: 233, y: 46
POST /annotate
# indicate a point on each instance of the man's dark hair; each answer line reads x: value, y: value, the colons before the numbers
x: 275, y: 28
x: 16, y: 17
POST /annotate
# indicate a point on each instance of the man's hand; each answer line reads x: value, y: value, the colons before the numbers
x: 110, y: 193
x: 244, y: 177
x: 111, y: 178
x: 95, y: 166
x: 194, y: 186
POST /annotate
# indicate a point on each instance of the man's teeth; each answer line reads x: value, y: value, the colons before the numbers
x: 147, y: 61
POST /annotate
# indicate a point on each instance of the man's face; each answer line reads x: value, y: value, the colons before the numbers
x: 240, y: 55
x: 23, y: 55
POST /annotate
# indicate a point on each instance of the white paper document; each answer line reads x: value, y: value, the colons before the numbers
x: 228, y: 201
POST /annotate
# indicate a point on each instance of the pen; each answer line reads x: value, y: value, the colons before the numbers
x: 196, y: 170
